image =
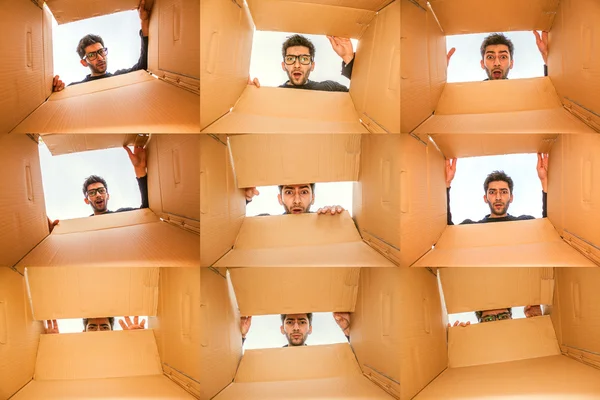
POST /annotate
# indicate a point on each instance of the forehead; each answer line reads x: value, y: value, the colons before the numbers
x: 93, y: 47
x: 498, y: 185
x: 297, y: 50
x: 98, y: 321
x: 494, y: 312
x: 95, y: 185
x: 497, y: 48
x: 296, y: 316
x: 296, y: 187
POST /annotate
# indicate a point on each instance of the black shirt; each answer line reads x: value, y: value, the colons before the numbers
x: 141, y: 64
x: 502, y: 219
x: 143, y: 185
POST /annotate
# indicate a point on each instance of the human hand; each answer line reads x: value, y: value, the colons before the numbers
x: 245, y: 323
x: 450, y: 171
x: 254, y: 82
x: 144, y: 17
x: 57, y: 84
x: 250, y: 193
x: 343, y: 48
x: 542, y: 170
x: 330, y: 210
x: 52, y: 224
x: 51, y: 326
x: 343, y: 321
x: 138, y: 160
x: 449, y: 55
x: 458, y: 323
x: 542, y: 44
x: 127, y: 325
x: 533, y: 311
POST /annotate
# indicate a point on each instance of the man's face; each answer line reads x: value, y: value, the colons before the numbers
x: 498, y: 198
x: 98, y: 200
x: 97, y: 324
x: 495, y: 315
x: 298, y: 73
x: 296, y: 329
x: 296, y: 199
x: 496, y: 61
x: 97, y: 65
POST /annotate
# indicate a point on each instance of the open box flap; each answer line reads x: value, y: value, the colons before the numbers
x: 68, y: 144
x: 460, y: 145
x: 263, y: 291
x: 73, y: 10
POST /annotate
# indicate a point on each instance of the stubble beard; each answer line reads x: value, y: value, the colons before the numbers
x: 502, y: 212
x: 291, y: 343
x: 304, y: 81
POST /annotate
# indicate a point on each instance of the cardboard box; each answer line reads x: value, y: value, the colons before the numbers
x: 163, y: 100
x: 164, y: 235
x: 123, y: 364
x: 564, y: 239
x: 229, y: 239
x: 560, y: 103
x: 229, y: 105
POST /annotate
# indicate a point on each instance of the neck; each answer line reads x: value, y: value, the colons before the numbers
x: 97, y: 73
x: 492, y: 215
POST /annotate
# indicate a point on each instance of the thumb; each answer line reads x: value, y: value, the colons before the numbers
x: 128, y: 150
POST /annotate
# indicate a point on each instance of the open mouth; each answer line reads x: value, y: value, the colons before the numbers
x: 497, y: 74
x: 297, y: 75
x: 101, y: 65
x: 99, y: 203
x: 297, y: 210
x: 498, y: 205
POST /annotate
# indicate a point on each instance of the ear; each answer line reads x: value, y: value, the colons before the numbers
x: 312, y: 68
x: 511, y: 199
x: 107, y: 196
x: 511, y: 63
x: 283, y: 66
x: 84, y: 63
x: 310, y: 330
x: 313, y: 200
x: 279, y: 198
x: 86, y: 200
x: 482, y: 64
x: 281, y: 329
x: 485, y: 198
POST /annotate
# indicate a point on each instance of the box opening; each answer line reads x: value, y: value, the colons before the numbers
x: 465, y: 64
x: 326, y: 194
x: 265, y: 332
x: 517, y: 313
x: 266, y: 58
x: 75, y: 325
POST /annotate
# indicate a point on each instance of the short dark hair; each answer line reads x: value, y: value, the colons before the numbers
x: 298, y: 40
x: 478, y: 313
x: 93, y: 179
x: 111, y: 321
x: 497, y: 38
x: 498, y: 176
x: 312, y: 187
x: 86, y: 41
x: 308, y: 315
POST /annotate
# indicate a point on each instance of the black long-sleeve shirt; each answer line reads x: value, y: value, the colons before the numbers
x: 142, y: 63
x: 501, y: 219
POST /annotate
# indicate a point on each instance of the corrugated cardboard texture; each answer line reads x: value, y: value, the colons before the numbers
x: 72, y: 10
x: 501, y: 341
x: 19, y: 334
x: 178, y: 327
x: 262, y: 291
x: 273, y: 241
x: 556, y: 192
x: 61, y: 292
x: 571, y: 63
x: 116, y: 354
x: 376, y: 205
x: 471, y: 289
x: 579, y: 308
x: 476, y: 145
x: 529, y: 243
x: 338, y: 18
x: 222, y: 205
x: 67, y: 144
x: 556, y: 377
x: 141, y: 387
x: 220, y: 338
x: 106, y: 221
x: 22, y: 63
x: 48, y: 52
x: 23, y: 222
x: 267, y: 110
x: 396, y: 331
x: 294, y: 159
x: 515, y: 15
x: 226, y: 31
x: 422, y: 198
x: 130, y: 101
x: 147, y: 245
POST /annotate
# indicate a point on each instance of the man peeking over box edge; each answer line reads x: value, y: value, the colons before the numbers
x: 296, y: 199
x: 99, y: 324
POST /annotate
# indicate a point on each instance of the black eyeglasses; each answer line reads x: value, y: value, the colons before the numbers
x: 304, y: 59
x: 92, y: 192
x: 92, y: 56
x: 499, y: 317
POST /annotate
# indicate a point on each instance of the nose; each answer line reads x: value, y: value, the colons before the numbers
x: 297, y: 61
x: 296, y: 326
x: 100, y: 57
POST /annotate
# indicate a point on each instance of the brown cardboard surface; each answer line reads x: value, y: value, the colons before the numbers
x: 222, y: 205
x: 515, y: 16
x: 116, y: 354
x: 23, y: 224
x: 72, y: 10
x: 61, y: 292
x: 476, y: 145
x: 325, y: 158
x: 224, y: 25
x: 343, y: 19
x: 556, y: 377
x: 141, y: 387
x: 470, y: 289
x: 48, y: 52
x: 106, y: 221
x: 131, y: 101
x: 397, y: 333
x: 220, y: 338
x: 501, y: 341
x: 263, y: 291
x: 266, y: 110
x: 529, y: 243
x: 273, y: 241
x: 19, y: 334
x: 67, y: 144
